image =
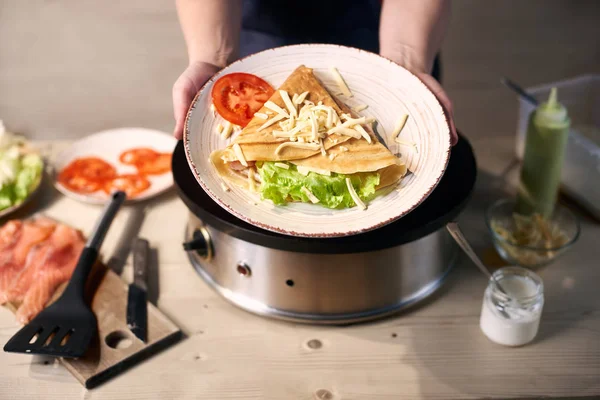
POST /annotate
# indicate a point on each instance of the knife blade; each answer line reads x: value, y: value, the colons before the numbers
x: 137, y: 298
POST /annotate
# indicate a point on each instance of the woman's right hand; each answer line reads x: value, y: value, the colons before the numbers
x: 186, y: 87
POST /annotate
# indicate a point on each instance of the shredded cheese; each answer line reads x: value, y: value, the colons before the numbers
x: 224, y: 187
x: 323, y: 152
x: 301, y: 98
x: 343, y: 148
x: 332, y: 156
x: 270, y: 122
x: 350, y: 122
x: 305, y: 170
x: 282, y: 165
x: 314, y: 126
x: 354, y: 196
x: 313, y: 199
x: 239, y: 154
x: 344, y: 131
x: 336, y: 118
x: 305, y: 146
x: 269, y: 104
x: 219, y: 129
x: 340, y: 82
x: 360, y: 108
x: 294, y: 97
x: 329, y: 122
x: 407, y: 143
x: 399, y: 126
x: 251, y: 184
x: 288, y: 103
x: 363, y: 132
x: 227, y: 130
x: 261, y: 115
x: 291, y: 133
x: 269, y: 112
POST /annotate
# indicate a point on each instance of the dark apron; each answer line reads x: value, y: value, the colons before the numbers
x: 273, y: 23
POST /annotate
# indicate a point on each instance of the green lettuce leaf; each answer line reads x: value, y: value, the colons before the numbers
x: 282, y: 185
x: 7, y: 196
x: 29, y: 176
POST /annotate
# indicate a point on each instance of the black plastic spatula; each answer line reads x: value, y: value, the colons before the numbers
x: 67, y: 326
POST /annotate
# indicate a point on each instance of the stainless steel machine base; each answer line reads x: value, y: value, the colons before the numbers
x: 320, y: 288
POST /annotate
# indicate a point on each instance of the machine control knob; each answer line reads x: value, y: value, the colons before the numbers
x: 200, y: 243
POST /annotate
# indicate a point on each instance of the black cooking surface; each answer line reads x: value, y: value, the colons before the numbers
x: 442, y: 205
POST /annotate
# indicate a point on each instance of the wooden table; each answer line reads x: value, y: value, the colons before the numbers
x: 433, y: 351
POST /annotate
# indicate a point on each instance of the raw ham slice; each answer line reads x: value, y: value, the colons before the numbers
x: 57, y: 269
x: 36, y: 257
x: 14, y: 256
x: 33, y: 233
x: 9, y: 236
x: 38, y: 295
x: 237, y: 166
x: 59, y: 253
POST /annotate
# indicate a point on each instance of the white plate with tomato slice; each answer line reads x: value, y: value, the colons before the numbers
x: 375, y: 87
x: 135, y: 160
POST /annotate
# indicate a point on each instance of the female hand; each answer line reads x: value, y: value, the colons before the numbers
x: 444, y: 100
x: 185, y: 88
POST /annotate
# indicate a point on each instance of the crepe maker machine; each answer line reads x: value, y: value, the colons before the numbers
x: 326, y: 280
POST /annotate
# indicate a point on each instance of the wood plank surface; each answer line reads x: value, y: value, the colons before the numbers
x: 70, y: 69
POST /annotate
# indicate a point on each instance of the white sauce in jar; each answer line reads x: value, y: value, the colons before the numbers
x: 512, y: 319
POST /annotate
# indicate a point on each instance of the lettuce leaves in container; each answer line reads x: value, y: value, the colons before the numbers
x: 21, y: 169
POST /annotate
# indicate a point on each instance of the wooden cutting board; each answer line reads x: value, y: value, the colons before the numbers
x: 116, y: 349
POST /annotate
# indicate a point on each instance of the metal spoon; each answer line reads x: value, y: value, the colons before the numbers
x: 461, y: 240
x: 519, y: 90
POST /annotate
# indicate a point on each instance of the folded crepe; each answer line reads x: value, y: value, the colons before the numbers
x: 306, y: 148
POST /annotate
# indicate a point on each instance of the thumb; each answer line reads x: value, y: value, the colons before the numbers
x: 445, y: 102
x: 183, y: 92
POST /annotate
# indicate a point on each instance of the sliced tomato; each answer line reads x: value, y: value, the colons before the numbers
x: 157, y: 166
x: 138, y: 155
x: 239, y: 95
x: 147, y: 161
x: 80, y: 184
x: 131, y: 184
x: 91, y: 168
x: 86, y: 175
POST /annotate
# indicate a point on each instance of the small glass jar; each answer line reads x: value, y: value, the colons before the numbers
x: 512, y: 318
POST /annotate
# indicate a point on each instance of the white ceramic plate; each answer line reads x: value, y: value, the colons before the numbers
x: 388, y: 89
x: 108, y: 145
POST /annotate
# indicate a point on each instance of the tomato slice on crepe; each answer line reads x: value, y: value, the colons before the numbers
x: 239, y: 95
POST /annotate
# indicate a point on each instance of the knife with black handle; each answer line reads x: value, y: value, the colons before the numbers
x: 137, y: 301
